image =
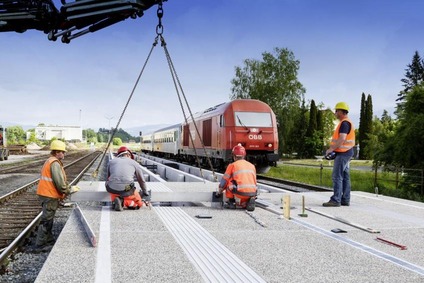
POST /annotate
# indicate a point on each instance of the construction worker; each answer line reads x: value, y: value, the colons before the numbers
x: 239, y: 181
x: 52, y: 188
x: 341, y: 147
x: 121, y: 172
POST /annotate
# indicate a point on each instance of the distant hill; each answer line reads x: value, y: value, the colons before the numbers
x: 24, y: 127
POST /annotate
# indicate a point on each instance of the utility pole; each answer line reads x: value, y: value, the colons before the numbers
x: 110, y: 129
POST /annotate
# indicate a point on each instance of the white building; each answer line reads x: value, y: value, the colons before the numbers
x: 68, y: 133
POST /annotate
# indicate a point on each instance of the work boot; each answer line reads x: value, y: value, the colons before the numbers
x: 250, y: 204
x: 118, y: 204
x: 331, y: 204
x: 231, y: 204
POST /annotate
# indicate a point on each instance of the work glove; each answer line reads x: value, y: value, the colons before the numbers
x: 74, y: 189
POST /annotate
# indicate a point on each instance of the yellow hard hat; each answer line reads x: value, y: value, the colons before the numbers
x: 342, y: 106
x: 58, y: 145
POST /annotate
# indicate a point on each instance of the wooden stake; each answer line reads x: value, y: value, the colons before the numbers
x: 303, y: 214
x: 286, y: 207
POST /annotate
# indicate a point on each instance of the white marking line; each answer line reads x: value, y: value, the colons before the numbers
x: 103, y: 263
x: 386, y: 200
x: 400, y: 262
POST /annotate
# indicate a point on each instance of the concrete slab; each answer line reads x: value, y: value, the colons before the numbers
x: 138, y: 246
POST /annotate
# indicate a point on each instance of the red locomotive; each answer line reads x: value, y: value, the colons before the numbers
x: 249, y: 122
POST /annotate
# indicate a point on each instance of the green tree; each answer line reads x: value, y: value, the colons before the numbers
x: 368, y: 123
x: 320, y: 131
x: 383, y: 132
x: 15, y: 135
x: 312, y: 137
x: 300, y: 132
x: 414, y: 76
x: 90, y: 135
x: 365, y: 125
x: 329, y: 123
x: 410, y: 150
x: 32, y: 137
x: 273, y: 81
x: 361, y: 134
x: 117, y: 141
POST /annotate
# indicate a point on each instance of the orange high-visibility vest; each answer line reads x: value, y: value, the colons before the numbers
x: 244, y: 173
x: 46, y: 186
x: 350, y: 138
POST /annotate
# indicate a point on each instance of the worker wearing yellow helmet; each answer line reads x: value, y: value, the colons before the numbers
x: 52, y: 188
x: 341, y: 149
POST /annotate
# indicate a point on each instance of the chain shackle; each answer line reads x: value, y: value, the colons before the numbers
x: 159, y: 27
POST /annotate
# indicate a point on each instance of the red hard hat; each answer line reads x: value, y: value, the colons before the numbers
x: 239, y: 150
x: 124, y: 149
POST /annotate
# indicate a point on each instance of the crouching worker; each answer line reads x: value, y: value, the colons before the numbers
x: 121, y: 172
x: 52, y: 188
x: 239, y: 181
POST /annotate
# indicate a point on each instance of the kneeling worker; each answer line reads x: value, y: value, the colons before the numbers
x: 239, y: 181
x: 120, y: 181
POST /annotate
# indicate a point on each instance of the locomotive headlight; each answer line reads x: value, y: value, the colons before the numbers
x: 270, y: 145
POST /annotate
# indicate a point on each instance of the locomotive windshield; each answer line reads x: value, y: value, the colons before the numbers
x: 253, y: 119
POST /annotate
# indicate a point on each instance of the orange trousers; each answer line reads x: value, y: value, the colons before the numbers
x: 241, y: 201
x: 133, y: 201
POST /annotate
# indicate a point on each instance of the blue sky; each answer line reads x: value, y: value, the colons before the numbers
x: 344, y: 48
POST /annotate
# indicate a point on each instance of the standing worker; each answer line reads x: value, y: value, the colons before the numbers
x: 120, y: 181
x: 52, y: 188
x: 341, y: 146
x: 239, y: 181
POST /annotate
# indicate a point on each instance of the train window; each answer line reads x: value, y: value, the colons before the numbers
x: 253, y: 119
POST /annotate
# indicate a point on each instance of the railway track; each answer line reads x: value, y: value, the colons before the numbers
x: 20, y: 209
x: 290, y: 185
x: 262, y: 179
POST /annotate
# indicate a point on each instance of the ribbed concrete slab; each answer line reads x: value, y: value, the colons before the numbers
x: 276, y: 249
x: 213, y: 260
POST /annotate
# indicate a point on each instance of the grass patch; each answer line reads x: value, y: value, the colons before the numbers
x: 361, y: 175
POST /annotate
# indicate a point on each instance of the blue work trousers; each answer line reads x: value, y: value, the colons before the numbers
x: 341, y: 178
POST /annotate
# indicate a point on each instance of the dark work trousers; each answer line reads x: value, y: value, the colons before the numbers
x: 44, y: 233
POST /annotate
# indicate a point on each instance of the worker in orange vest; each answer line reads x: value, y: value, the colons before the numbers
x: 121, y: 172
x: 341, y: 150
x: 239, y: 181
x: 52, y: 188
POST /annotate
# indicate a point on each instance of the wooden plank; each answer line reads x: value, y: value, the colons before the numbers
x: 90, y: 234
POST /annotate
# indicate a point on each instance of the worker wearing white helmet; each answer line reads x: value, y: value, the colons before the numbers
x: 341, y: 148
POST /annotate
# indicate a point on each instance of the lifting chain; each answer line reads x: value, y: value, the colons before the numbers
x: 159, y: 27
x: 177, y: 84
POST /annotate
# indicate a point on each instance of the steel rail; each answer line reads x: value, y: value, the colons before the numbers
x: 24, y: 234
